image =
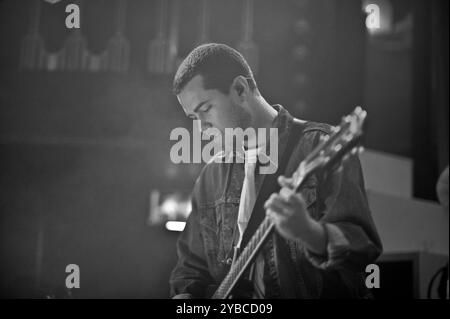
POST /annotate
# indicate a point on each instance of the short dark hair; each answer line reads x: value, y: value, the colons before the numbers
x: 218, y: 63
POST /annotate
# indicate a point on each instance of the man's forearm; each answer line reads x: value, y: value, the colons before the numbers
x: 314, y: 237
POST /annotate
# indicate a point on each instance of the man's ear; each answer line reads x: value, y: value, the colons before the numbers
x: 240, y: 89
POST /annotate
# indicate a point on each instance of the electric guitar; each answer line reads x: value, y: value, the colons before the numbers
x: 333, y: 149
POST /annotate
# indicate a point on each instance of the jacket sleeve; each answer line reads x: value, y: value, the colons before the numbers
x: 190, y: 277
x: 352, y: 238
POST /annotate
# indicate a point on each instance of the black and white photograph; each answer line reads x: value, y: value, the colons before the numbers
x: 224, y: 149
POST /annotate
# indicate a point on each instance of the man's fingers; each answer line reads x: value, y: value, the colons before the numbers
x: 285, y: 182
x: 279, y: 205
x: 295, y: 199
x: 275, y: 217
x: 290, y: 200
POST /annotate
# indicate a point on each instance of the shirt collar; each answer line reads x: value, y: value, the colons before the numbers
x: 283, y: 120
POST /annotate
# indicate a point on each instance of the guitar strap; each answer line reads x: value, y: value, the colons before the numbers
x: 270, y: 184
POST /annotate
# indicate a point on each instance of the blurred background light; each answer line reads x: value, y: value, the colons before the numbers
x: 175, y: 225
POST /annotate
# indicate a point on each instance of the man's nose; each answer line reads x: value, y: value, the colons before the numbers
x: 203, y: 126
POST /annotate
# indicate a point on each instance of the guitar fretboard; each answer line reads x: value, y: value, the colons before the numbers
x: 244, y: 259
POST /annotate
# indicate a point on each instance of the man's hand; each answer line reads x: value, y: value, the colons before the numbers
x: 288, y: 211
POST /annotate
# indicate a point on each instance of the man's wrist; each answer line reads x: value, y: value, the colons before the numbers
x: 314, y: 235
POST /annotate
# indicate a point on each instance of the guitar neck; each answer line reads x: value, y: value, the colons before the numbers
x: 244, y: 260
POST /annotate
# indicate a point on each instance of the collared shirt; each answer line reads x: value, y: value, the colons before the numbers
x: 337, y: 201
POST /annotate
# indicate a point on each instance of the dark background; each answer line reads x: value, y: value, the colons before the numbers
x: 81, y: 151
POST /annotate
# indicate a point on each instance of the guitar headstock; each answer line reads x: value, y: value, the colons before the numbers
x: 343, y: 142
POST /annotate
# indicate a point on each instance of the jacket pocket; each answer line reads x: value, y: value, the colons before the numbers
x: 218, y: 223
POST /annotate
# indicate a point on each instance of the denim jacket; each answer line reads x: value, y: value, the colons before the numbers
x: 336, y: 199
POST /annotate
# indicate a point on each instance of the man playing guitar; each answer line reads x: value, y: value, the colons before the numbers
x: 324, y: 234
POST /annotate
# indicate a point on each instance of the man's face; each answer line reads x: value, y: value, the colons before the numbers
x: 213, y: 108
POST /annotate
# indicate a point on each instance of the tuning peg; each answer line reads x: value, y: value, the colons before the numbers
x: 348, y: 137
x: 337, y: 147
x: 360, y: 112
x: 335, y: 129
x: 324, y: 138
x: 346, y: 156
x: 360, y: 149
x: 354, y: 151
